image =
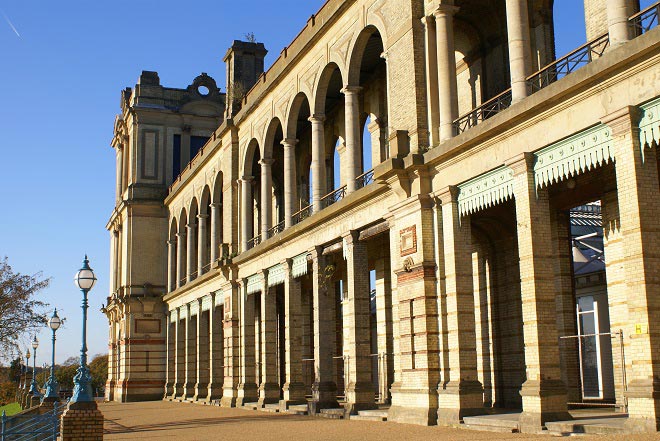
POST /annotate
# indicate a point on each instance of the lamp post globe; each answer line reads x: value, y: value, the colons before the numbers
x: 52, y: 387
x: 34, y: 387
x: 82, y: 389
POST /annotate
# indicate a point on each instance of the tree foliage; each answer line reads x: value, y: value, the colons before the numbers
x: 20, y: 312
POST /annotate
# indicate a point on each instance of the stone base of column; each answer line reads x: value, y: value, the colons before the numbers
x: 229, y: 397
x: 201, y: 392
x: 643, y: 406
x: 269, y: 393
x: 188, y: 391
x: 213, y: 392
x: 177, y: 391
x: 247, y: 393
x: 294, y: 393
x: 81, y: 422
x: 543, y: 401
x: 360, y: 395
x: 324, y: 396
x: 459, y: 399
x: 413, y: 406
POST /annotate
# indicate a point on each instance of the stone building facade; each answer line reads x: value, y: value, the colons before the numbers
x: 385, y: 218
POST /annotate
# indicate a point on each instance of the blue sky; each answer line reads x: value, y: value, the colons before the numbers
x: 62, y: 70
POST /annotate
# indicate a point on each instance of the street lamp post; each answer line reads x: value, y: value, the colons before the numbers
x: 34, y: 387
x: 52, y: 387
x: 82, y: 390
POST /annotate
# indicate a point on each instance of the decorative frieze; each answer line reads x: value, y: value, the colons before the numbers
x: 276, y: 275
x: 572, y: 156
x: 484, y: 191
x: 299, y: 265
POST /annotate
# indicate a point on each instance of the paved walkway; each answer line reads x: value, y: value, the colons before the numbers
x: 166, y: 420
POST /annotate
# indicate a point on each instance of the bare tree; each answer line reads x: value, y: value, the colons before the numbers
x: 250, y: 38
x: 20, y: 312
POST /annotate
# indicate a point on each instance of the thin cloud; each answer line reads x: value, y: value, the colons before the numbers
x: 11, y: 25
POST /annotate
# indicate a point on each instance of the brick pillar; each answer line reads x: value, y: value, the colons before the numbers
x: 460, y: 393
x: 357, y: 329
x: 231, y: 342
x: 81, y: 422
x: 247, y: 389
x: 384, y: 327
x: 170, y: 355
x: 294, y: 388
x: 616, y: 291
x: 415, y: 313
x: 201, y: 387
x: 324, y: 389
x: 639, y: 212
x: 543, y: 393
x: 269, y: 389
x: 565, y: 303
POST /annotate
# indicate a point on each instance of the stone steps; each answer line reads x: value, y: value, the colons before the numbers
x: 334, y: 414
x: 505, y: 423
x: 298, y: 409
x: 370, y: 415
x: 600, y: 426
x: 272, y: 408
x: 250, y: 406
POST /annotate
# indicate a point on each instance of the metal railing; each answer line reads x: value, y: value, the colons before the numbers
x: 302, y: 214
x: 646, y: 19
x: 33, y: 427
x: 491, y: 107
x: 569, y: 63
x: 206, y: 268
x: 277, y: 229
x: 364, y: 179
x: 183, y: 282
x: 334, y: 196
x: 256, y: 240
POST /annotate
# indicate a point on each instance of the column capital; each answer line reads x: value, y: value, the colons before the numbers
x: 448, y: 194
x: 351, y: 90
x: 317, y: 118
x: 521, y: 163
x: 428, y: 20
x: 171, y: 242
x: 246, y: 179
x: 191, y: 225
x: 289, y: 142
x: 623, y: 121
x: 445, y: 10
x: 315, y: 252
x: 266, y: 162
x: 181, y: 234
x: 202, y: 216
x: 218, y: 204
x: 351, y: 237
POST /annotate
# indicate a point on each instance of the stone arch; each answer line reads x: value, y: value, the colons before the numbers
x: 251, y: 150
x: 270, y: 137
x: 291, y: 126
x: 358, y: 52
x: 326, y: 79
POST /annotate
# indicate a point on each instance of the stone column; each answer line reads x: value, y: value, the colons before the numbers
x: 618, y: 12
x: 171, y: 266
x: 230, y: 337
x: 460, y: 393
x: 432, y: 93
x: 357, y: 329
x: 639, y: 213
x: 384, y: 327
x: 169, y: 357
x: 324, y: 389
x: 181, y: 258
x: 294, y: 388
x: 353, y: 131
x: 190, y: 251
x: 447, y: 90
x: 247, y: 389
x: 191, y: 352
x: 266, y: 196
x: 269, y: 389
x: 202, y: 245
x: 517, y: 22
x: 113, y: 262
x: 247, y: 215
x: 318, y: 161
x: 202, y: 352
x: 290, y: 187
x: 216, y: 236
x: 179, y: 391
x: 120, y: 173
x: 215, y: 349
x: 543, y: 393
